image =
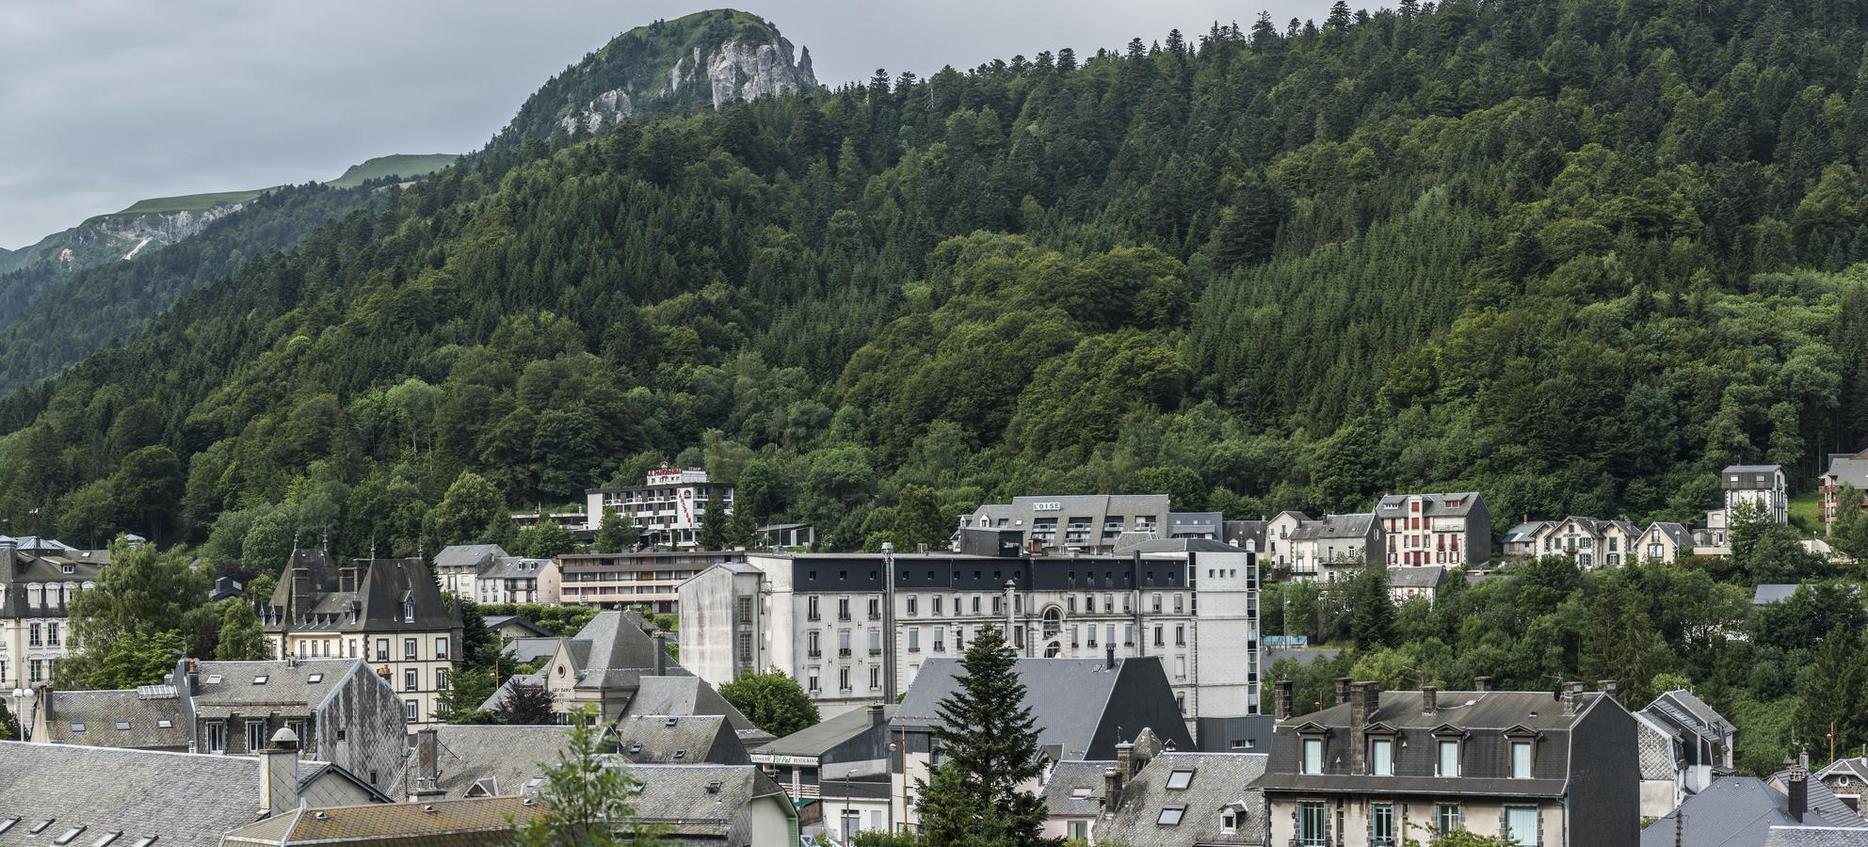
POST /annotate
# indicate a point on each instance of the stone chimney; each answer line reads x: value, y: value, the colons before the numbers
x: 1572, y: 697
x: 1342, y: 690
x: 1109, y: 657
x: 194, y: 677
x: 278, y: 774
x: 1482, y: 684
x: 1607, y: 686
x: 661, y: 654
x: 1282, y: 699
x: 1799, y: 786
x: 1429, y: 700
x: 427, y: 768
x: 875, y: 715
x: 1125, y: 762
x: 1112, y: 789
x: 1364, y: 701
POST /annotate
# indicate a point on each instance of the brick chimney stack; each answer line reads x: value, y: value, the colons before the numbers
x: 1342, y: 690
x: 1282, y: 699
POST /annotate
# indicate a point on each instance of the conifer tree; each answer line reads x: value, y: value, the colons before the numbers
x: 713, y: 528
x: 990, y: 741
x: 616, y: 533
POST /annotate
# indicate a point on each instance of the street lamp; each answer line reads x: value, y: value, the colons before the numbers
x: 25, y: 727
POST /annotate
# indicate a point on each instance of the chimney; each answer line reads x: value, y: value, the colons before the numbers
x: 661, y: 654
x: 1112, y: 790
x: 1282, y: 699
x: 1109, y: 657
x: 278, y: 774
x: 1125, y: 762
x: 875, y: 714
x: 194, y: 677
x: 1429, y: 699
x: 1482, y: 684
x: 1607, y: 686
x: 1342, y: 690
x: 1572, y: 696
x: 427, y: 768
x: 1799, y: 786
x: 1364, y: 700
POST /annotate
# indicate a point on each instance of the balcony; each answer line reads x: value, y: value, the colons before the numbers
x: 843, y: 652
x: 875, y: 651
x: 815, y: 654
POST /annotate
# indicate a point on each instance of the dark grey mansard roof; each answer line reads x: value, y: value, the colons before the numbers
x: 129, y: 718
x: 1740, y: 811
x: 825, y: 735
x: 233, y: 685
x: 1076, y: 788
x: 679, y: 739
x: 1073, y: 701
x: 501, y: 759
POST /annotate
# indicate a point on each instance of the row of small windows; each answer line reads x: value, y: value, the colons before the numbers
x: 1381, y: 757
x: 322, y: 648
x: 993, y: 604
x: 48, y: 595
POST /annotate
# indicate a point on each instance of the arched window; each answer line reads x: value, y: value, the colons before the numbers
x: 1053, y: 621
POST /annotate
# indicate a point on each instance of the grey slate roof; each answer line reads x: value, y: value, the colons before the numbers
x: 1076, y: 789
x: 1219, y: 781
x: 612, y: 640
x: 1683, y: 710
x: 501, y: 759
x: 1524, y: 532
x: 514, y: 567
x: 679, y: 739
x: 1072, y: 700
x: 476, y: 556
x: 1659, y: 747
x: 1850, y: 469
x: 1175, y: 545
x: 690, y: 695
x: 826, y: 735
x: 1680, y: 536
x: 530, y: 649
x: 183, y: 799
x: 702, y: 800
x: 130, y: 718
x: 1739, y: 811
x: 497, y: 622
x: 1433, y: 504
x: 1856, y: 766
x: 1416, y: 576
x: 1335, y: 526
x: 375, y: 604
x: 1816, y: 836
x: 228, y: 686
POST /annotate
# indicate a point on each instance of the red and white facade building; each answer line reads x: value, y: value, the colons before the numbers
x: 667, y: 508
x: 1452, y: 529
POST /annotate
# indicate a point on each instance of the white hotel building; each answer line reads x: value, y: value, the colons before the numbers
x: 854, y: 629
x: 668, y: 507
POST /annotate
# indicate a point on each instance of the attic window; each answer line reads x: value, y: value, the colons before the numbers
x: 314, y: 679
x: 165, y: 723
x: 39, y: 827
x: 7, y: 823
x: 1179, y: 780
x: 66, y: 836
x: 214, y: 679
x: 261, y: 679
x: 673, y: 721
x: 144, y: 841
x: 1170, y: 815
x: 105, y: 839
x: 680, y: 754
x: 534, y: 783
x: 123, y: 725
x: 77, y: 727
x: 1080, y: 793
x: 69, y: 568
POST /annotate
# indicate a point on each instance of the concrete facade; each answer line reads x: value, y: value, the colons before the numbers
x: 1453, y: 528
x: 644, y: 581
x: 36, y: 587
x: 667, y: 507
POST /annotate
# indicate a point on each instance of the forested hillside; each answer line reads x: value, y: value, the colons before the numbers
x: 1573, y: 254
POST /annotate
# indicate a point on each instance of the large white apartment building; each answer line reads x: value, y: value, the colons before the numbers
x: 1091, y: 523
x: 668, y: 507
x: 36, y: 587
x: 855, y: 629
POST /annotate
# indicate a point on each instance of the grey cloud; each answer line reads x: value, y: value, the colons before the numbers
x: 104, y: 102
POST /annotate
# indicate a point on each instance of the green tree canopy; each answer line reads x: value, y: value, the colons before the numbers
x: 773, y: 701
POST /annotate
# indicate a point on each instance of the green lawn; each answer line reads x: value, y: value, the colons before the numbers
x: 1806, y: 512
x: 189, y: 202
x: 405, y: 165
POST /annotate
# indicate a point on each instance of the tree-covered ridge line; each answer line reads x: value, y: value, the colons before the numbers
x: 1574, y: 255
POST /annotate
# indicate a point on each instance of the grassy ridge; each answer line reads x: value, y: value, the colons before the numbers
x: 189, y: 202
x: 406, y: 165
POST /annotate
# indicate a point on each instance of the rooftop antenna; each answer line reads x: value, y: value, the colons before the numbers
x: 324, y: 541
x: 295, y: 541
x: 372, y: 548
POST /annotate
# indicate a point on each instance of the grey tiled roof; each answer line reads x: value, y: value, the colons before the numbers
x: 687, y: 695
x: 530, y: 649
x: 1524, y: 532
x: 469, y: 555
x: 184, y: 800
x: 825, y: 735
x: 1675, y: 532
x: 1176, y: 545
x: 1660, y: 753
x: 1739, y: 811
x: 1076, y: 789
x: 1421, y: 576
x: 1816, y: 836
x: 131, y: 718
x: 1335, y: 526
x: 1220, y: 781
x: 502, y: 759
x: 679, y: 739
x: 233, y: 684
x: 702, y: 800
x: 1684, y: 709
x: 1069, y: 698
x: 514, y: 567
x: 1432, y: 504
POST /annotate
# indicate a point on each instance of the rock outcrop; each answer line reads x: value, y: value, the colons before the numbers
x: 736, y: 69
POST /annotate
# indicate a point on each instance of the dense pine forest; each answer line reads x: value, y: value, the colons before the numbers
x: 1572, y: 254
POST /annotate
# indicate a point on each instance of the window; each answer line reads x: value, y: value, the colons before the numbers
x: 441, y: 679
x: 77, y: 727
x: 911, y: 606
x: 914, y: 639
x: 1156, y: 605
x: 1313, y: 755
x: 1313, y: 827
x: 843, y: 642
x: 1382, y: 757
x: 1449, y: 757
x: 441, y: 648
x: 315, y: 678
x: 411, y: 711
x: 875, y: 678
x: 8, y: 823
x: 1179, y: 607
x: 940, y: 637
x: 408, y: 648
x: 105, y: 839
x: 1520, y: 760
x: 1158, y: 640
x: 255, y: 736
x: 1381, y: 825
x: 123, y: 726
x: 34, y: 638
x: 1228, y: 822
x: 408, y: 609
x: 382, y: 649
x: 1447, y: 818
x: 217, y: 737
x: 875, y: 608
x: 1171, y: 815
x: 1080, y: 830
x: 813, y: 647
x: 38, y: 670
x: 810, y: 608
x: 51, y: 634
x: 261, y: 679
x: 843, y: 608
x: 843, y: 679
x: 937, y: 604
x: 411, y: 681
x: 1521, y: 824
x: 1179, y: 780
x: 1180, y: 635
x: 66, y: 836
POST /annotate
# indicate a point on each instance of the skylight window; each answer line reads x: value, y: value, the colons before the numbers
x: 1171, y: 815
x: 7, y: 823
x: 105, y: 839
x: 314, y: 679
x: 1080, y: 793
x: 1179, y: 780
x: 77, y: 727
x: 261, y: 679
x: 123, y: 725
x: 214, y: 679
x: 165, y: 723
x: 144, y: 841
x: 66, y: 836
x: 39, y: 827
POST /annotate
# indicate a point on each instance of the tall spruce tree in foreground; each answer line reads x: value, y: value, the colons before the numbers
x: 990, y: 743
x: 585, y: 800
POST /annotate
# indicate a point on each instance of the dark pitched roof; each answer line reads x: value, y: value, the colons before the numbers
x: 1683, y: 711
x: 496, y: 622
x: 1076, y: 789
x: 183, y: 799
x: 826, y: 735
x: 476, y: 556
x: 530, y: 649
x: 1335, y: 526
x: 1416, y: 576
x: 1816, y: 836
x: 300, y: 684
x: 501, y: 760
x: 130, y: 718
x: 1079, y: 704
x: 1432, y: 504
x: 442, y: 823
x: 1176, y: 545
x: 703, y: 800
x: 1215, y: 782
x: 690, y: 695
x: 1739, y: 811
x: 313, y: 591
x: 613, y: 640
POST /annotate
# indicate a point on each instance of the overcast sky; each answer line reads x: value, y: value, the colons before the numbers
x: 105, y: 102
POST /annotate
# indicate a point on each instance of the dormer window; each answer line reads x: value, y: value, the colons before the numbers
x: 69, y: 568
x: 1448, y: 764
x: 408, y: 609
x: 1521, y: 759
x: 1313, y: 755
x: 1382, y: 757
